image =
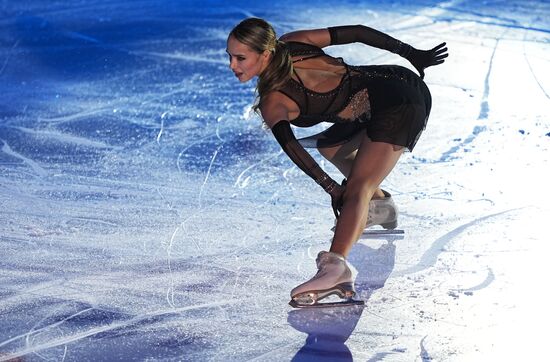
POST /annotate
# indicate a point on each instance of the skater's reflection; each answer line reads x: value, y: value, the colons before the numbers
x: 374, y: 264
x: 328, y: 329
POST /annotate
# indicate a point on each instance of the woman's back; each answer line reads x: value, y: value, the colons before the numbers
x: 324, y: 88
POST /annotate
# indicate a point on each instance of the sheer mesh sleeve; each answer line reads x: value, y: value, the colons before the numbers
x: 284, y: 135
x: 363, y: 34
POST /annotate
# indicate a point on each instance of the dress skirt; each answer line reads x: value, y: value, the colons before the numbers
x: 400, y: 103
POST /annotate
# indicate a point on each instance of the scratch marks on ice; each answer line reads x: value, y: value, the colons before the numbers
x: 430, y: 256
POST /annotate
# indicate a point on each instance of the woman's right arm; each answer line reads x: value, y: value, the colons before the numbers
x: 275, y: 115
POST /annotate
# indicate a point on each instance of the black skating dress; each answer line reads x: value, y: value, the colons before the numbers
x: 391, y: 102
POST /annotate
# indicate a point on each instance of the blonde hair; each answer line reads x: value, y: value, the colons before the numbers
x: 259, y: 36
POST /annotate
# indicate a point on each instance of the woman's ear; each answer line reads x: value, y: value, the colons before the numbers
x: 265, y: 56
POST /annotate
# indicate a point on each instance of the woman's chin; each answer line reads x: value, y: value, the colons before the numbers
x: 243, y: 78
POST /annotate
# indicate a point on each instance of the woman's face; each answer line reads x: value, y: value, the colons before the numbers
x: 245, y: 62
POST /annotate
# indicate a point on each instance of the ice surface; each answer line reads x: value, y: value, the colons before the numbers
x: 146, y: 215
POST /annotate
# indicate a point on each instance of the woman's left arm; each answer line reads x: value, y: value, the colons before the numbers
x: 420, y: 59
x: 347, y: 34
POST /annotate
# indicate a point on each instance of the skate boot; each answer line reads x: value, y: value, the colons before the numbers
x: 334, y: 276
x: 382, y: 212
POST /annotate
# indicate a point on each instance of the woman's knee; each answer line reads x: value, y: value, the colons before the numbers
x: 357, y: 189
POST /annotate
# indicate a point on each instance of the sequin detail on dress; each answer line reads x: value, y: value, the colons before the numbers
x: 357, y: 108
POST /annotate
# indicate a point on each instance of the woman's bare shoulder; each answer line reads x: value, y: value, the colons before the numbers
x: 274, y: 108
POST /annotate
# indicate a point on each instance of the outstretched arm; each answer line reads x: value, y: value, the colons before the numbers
x: 276, y: 117
x: 420, y: 59
x: 317, y: 37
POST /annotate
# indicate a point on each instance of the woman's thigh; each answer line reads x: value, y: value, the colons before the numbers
x: 372, y: 164
x: 343, y: 156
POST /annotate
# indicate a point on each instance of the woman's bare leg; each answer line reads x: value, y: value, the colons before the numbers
x: 372, y: 163
x: 343, y: 156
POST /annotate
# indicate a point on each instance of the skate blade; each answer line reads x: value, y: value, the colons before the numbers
x: 345, y: 303
x: 381, y: 232
x: 345, y: 291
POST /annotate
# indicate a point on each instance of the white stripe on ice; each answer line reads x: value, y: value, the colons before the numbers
x: 110, y: 327
x: 65, y: 138
x: 9, y: 56
x: 161, y: 126
x: 35, y: 166
x: 243, y: 183
x: 208, y: 174
x: 77, y: 115
x: 35, y: 331
x: 180, y: 56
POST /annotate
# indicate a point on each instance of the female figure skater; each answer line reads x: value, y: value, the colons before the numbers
x: 377, y: 111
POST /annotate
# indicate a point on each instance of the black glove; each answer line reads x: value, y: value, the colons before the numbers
x: 296, y: 152
x: 337, y: 197
x: 422, y: 59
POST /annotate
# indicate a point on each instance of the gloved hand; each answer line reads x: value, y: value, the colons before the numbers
x: 422, y: 59
x: 337, y: 197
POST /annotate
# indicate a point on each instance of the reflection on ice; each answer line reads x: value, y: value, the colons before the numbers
x: 327, y: 332
x: 374, y: 266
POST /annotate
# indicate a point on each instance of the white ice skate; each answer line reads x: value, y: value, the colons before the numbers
x: 382, y: 212
x: 334, y: 276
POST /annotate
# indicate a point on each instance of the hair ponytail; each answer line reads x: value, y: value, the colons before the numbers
x: 259, y: 35
x: 276, y: 74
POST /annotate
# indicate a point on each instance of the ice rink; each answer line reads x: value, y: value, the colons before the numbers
x: 146, y: 214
